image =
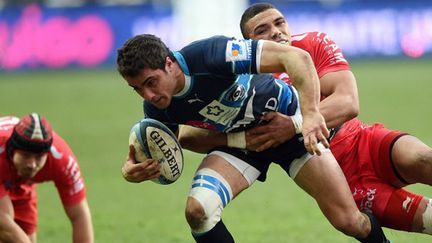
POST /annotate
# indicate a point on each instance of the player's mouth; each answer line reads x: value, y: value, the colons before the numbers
x: 160, y: 102
x: 27, y: 173
x: 156, y: 100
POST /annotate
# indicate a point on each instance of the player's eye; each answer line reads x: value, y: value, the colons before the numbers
x: 260, y: 31
x: 151, y: 82
x: 40, y: 156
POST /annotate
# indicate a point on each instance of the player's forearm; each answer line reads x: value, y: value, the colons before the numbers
x: 200, y: 140
x: 298, y: 64
x: 307, y: 83
x: 80, y: 218
x: 338, y: 109
x: 82, y: 231
x: 11, y: 232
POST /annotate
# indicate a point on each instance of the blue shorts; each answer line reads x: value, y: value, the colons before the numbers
x: 283, y: 155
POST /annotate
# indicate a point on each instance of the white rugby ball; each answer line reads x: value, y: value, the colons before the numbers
x: 153, y: 140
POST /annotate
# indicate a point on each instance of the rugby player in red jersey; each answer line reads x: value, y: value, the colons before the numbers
x: 30, y: 153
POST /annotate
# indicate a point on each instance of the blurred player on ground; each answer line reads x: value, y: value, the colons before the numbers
x: 30, y: 153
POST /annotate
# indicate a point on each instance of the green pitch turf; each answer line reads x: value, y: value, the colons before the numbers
x: 94, y: 111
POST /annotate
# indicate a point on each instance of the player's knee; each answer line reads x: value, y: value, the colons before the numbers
x: 425, y: 157
x: 195, y: 214
x: 427, y: 218
x: 350, y: 224
x: 209, y: 195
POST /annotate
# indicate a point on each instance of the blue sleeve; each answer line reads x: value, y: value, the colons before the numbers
x: 152, y: 112
x: 219, y: 55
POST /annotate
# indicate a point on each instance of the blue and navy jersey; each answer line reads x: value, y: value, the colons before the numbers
x: 223, y: 90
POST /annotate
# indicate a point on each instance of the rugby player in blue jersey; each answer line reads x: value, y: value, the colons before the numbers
x: 215, y: 84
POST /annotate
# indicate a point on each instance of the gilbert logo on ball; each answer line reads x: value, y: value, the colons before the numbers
x: 153, y: 140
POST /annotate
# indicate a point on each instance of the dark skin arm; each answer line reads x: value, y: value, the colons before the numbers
x: 341, y: 104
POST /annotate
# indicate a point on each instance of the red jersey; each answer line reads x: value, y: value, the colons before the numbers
x: 61, y: 167
x: 362, y: 151
x: 326, y: 55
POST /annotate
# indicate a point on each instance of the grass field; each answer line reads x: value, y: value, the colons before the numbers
x: 94, y: 111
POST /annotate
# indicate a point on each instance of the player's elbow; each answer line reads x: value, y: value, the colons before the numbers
x: 353, y: 107
x: 192, y: 142
x: 187, y: 141
x: 303, y: 57
x: 199, y: 140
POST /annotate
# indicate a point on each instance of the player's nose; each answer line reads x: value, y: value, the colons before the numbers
x: 147, y: 94
x: 275, y: 33
x: 32, y: 163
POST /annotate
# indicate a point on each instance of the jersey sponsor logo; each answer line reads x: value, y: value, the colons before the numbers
x: 406, y: 204
x: 72, y: 172
x: 237, y: 50
x: 248, y: 115
x: 214, y: 110
x: 196, y: 99
x: 333, y: 50
x: 367, y: 196
x: 236, y: 93
x: 271, y: 104
x: 219, y: 113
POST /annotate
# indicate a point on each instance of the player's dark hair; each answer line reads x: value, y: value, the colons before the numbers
x: 141, y: 52
x: 250, y: 12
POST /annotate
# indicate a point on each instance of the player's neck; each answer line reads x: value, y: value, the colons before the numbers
x: 179, y: 76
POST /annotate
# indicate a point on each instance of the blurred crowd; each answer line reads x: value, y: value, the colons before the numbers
x: 77, y: 3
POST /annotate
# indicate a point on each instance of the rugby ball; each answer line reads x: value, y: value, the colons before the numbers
x: 153, y: 140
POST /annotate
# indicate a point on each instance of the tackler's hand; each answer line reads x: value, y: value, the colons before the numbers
x: 277, y: 129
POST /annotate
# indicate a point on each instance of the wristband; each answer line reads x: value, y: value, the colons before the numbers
x: 236, y: 140
x: 297, y: 120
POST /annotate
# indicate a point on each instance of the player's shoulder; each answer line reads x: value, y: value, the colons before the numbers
x: 215, y: 42
x: 60, y: 150
x: 7, y: 124
x: 312, y: 41
x: 313, y: 36
x: 208, y: 41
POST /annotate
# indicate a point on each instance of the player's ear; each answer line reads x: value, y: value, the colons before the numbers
x: 168, y: 63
